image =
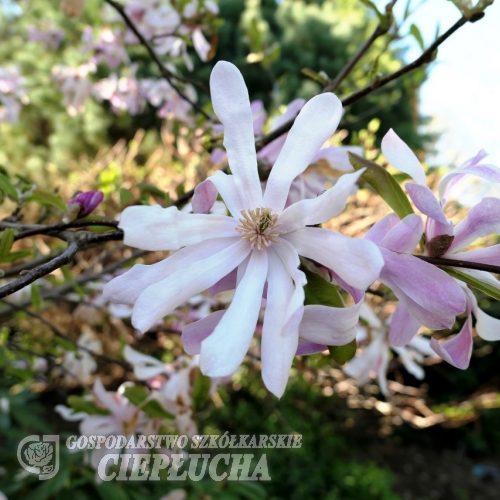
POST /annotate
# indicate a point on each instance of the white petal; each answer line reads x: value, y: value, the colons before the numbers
x: 277, y: 351
x: 157, y: 228
x: 357, y: 262
x: 145, y: 367
x: 163, y: 297
x: 315, y: 123
x: 224, y: 350
x: 320, y: 209
x: 126, y: 288
x: 232, y: 107
x: 400, y: 156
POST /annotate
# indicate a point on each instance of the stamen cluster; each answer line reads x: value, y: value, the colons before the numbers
x: 258, y: 227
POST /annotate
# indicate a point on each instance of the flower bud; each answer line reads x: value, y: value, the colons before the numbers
x: 82, y: 204
x: 73, y: 8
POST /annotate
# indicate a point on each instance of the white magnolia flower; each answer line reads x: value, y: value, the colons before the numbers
x: 260, y: 239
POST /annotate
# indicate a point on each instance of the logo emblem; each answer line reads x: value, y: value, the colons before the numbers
x: 39, y: 455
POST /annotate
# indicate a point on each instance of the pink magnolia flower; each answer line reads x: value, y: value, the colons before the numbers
x: 11, y: 94
x: 75, y: 85
x: 83, y: 204
x: 49, y: 36
x: 448, y: 241
x: 80, y: 364
x: 375, y: 357
x: 261, y: 239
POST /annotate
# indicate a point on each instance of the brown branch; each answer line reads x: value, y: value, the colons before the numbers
x: 424, y: 58
x: 165, y: 73
x: 440, y: 261
x: 51, y: 228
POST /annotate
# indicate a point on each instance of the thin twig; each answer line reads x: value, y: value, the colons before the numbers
x: 440, y: 261
x: 165, y: 73
x: 52, y: 228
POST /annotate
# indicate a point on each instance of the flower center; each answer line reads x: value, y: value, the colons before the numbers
x: 258, y: 227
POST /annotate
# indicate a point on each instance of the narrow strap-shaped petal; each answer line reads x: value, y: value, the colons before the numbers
x: 305, y: 348
x: 400, y: 156
x: 126, y: 288
x: 163, y: 297
x: 277, y: 350
x: 488, y: 255
x: 405, y: 235
x: 195, y: 333
x: 457, y: 350
x: 205, y: 194
x: 357, y: 262
x: 403, y: 326
x: 409, y: 363
x: 487, y: 327
x: 315, y: 123
x: 157, y: 228
x: 426, y: 202
x: 295, y: 305
x: 381, y: 228
x: 232, y: 107
x: 320, y: 209
x: 224, y: 350
x: 337, y: 157
x: 482, y: 220
x: 145, y: 367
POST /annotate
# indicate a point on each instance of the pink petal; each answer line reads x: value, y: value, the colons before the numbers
x: 157, y: 228
x: 428, y: 293
x: 457, y: 350
x: 195, y: 333
x: 400, y: 156
x: 405, y: 235
x: 277, y: 350
x: 224, y: 284
x: 305, y: 348
x: 125, y: 289
x: 200, y: 44
x: 315, y: 123
x: 357, y: 262
x: 205, y: 194
x: 224, y: 350
x: 426, y: 202
x: 487, y: 327
x: 381, y: 228
x: 489, y: 255
x: 163, y: 297
x: 403, y: 327
x: 320, y: 209
x: 232, y: 107
x: 482, y: 220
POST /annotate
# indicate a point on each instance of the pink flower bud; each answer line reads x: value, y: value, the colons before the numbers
x: 83, y: 204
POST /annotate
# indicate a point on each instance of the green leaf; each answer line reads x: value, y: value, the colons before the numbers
x: 343, y: 353
x: 201, y: 390
x: 51, y: 199
x: 109, y: 489
x: 16, y: 255
x: 36, y: 298
x: 414, y: 30
x: 384, y: 184
x: 314, y: 76
x: 78, y: 403
x: 373, y: 7
x: 151, y: 189
x: 474, y: 282
x: 6, y: 242
x: 126, y: 197
x: 319, y: 291
x: 154, y: 409
x: 136, y: 394
x: 7, y: 187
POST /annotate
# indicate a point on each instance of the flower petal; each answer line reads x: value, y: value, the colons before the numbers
x: 329, y: 325
x: 488, y: 255
x: 487, y: 327
x: 482, y: 220
x: 232, y: 107
x: 437, y: 296
x: 164, y: 296
x: 205, y: 194
x: 381, y: 228
x: 305, y: 348
x: 403, y: 327
x: 157, y: 228
x: 125, y: 289
x: 337, y: 157
x: 320, y: 209
x: 277, y: 350
x: 405, y: 235
x: 224, y: 350
x: 315, y: 123
x: 457, y: 350
x: 295, y: 305
x: 195, y: 333
x: 400, y: 156
x: 145, y: 367
x: 426, y: 202
x: 357, y: 262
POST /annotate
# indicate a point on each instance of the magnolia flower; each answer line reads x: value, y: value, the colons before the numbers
x: 75, y: 85
x: 11, y: 94
x: 82, y: 204
x: 261, y: 240
x: 375, y: 357
x: 448, y: 241
x: 49, y: 36
x: 81, y: 364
